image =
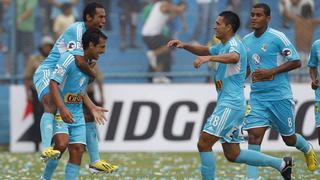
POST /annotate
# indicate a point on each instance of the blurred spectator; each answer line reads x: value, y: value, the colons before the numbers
x: 25, y: 27
x: 177, y: 22
x: 159, y: 55
x: 45, y: 12
x: 64, y: 20
x: 6, y: 14
x: 294, y: 6
x: 56, y: 8
x: 305, y: 26
x: 107, y: 6
x: 32, y: 97
x: 204, y: 20
x: 129, y: 16
x: 234, y: 5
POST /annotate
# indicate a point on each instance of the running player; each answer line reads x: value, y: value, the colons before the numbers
x: 271, y: 56
x: 225, y: 123
x: 314, y: 64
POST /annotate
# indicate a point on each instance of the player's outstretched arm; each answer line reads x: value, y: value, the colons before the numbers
x: 84, y: 66
x: 97, y: 112
x: 195, y: 49
x: 64, y: 112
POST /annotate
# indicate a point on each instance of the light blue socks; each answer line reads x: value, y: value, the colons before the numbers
x: 92, y: 142
x: 72, y: 171
x: 302, y: 144
x: 208, y: 165
x: 46, y: 128
x: 255, y: 158
x: 253, y: 171
x: 49, y: 169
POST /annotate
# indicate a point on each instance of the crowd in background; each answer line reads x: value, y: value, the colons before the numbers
x: 34, y: 19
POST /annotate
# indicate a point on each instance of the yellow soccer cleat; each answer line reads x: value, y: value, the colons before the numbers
x: 311, y: 159
x: 49, y: 153
x: 102, y: 166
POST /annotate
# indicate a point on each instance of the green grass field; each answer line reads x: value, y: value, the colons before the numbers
x: 146, y: 166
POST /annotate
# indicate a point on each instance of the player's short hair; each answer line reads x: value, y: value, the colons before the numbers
x: 231, y: 18
x: 90, y: 10
x: 265, y: 8
x: 92, y: 35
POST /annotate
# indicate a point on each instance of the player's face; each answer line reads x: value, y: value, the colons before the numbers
x: 220, y: 28
x: 98, y: 49
x: 99, y: 18
x: 258, y: 19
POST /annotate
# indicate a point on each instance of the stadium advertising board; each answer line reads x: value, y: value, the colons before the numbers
x: 144, y: 117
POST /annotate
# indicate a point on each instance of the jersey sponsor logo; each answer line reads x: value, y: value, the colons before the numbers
x: 286, y: 52
x: 71, y: 46
x: 256, y: 59
x: 70, y: 98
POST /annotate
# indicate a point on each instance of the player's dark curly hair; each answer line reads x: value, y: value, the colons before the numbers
x: 90, y: 10
x: 92, y: 35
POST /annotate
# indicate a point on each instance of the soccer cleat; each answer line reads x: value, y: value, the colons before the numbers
x: 287, y: 169
x: 49, y: 153
x: 102, y: 166
x: 311, y: 159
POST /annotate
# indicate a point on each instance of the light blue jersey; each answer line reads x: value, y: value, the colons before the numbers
x: 72, y: 85
x: 314, y: 61
x: 270, y: 50
x: 227, y: 118
x: 229, y: 78
x: 70, y: 40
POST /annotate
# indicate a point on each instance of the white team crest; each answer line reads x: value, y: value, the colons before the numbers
x: 256, y: 59
x: 264, y: 47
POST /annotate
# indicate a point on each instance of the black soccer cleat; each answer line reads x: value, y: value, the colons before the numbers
x: 287, y: 170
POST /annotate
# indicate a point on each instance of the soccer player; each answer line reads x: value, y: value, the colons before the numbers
x: 271, y: 55
x: 314, y: 64
x: 68, y: 87
x: 226, y: 121
x: 93, y: 16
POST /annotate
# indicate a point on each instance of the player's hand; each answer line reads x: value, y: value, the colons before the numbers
x: 314, y: 84
x: 175, y: 43
x: 262, y: 74
x: 200, y: 60
x: 98, y: 114
x: 93, y: 63
x: 66, y: 116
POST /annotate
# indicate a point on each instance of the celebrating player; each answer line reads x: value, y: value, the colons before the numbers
x: 226, y: 121
x: 94, y: 16
x: 68, y: 87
